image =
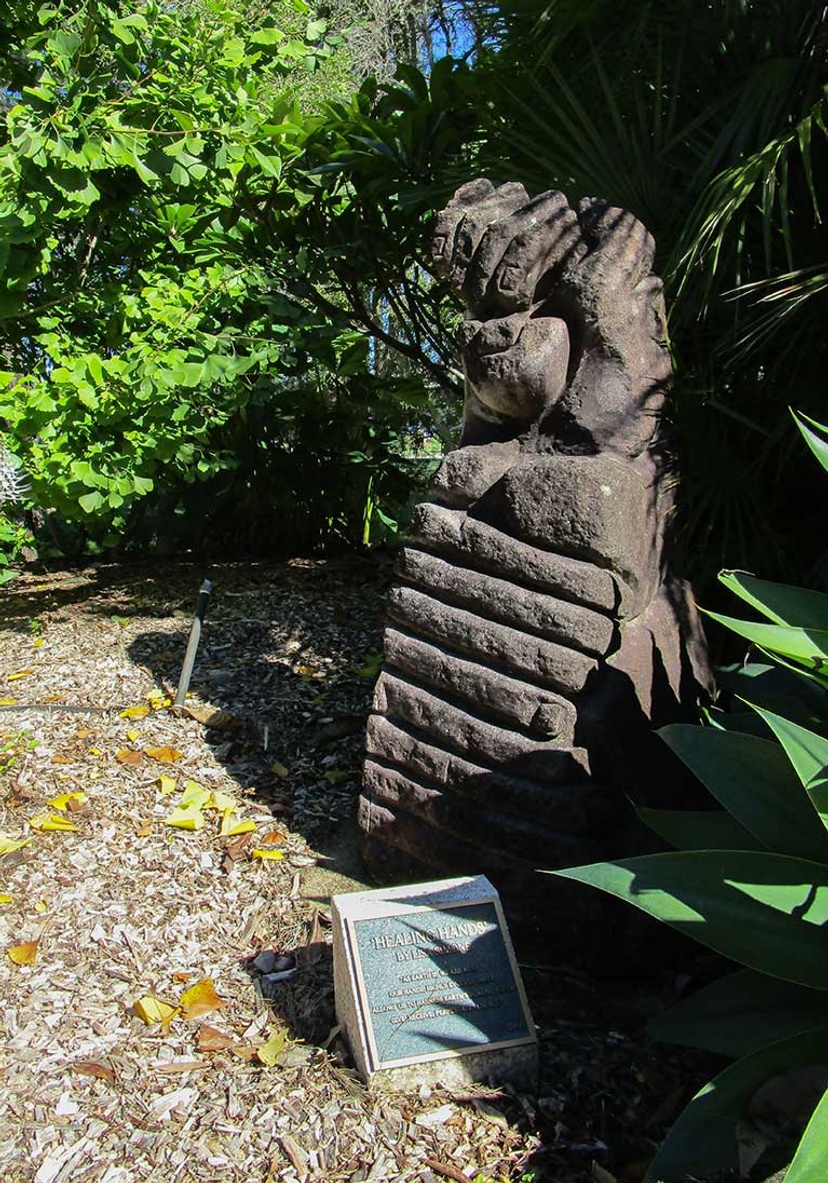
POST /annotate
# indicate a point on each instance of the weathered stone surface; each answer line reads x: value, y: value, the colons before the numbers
x: 514, y: 651
x: 537, y: 636
x: 447, y: 531
x: 502, y: 698
x: 519, y: 836
x: 464, y: 476
x: 498, y: 599
x: 465, y: 733
x: 581, y: 808
x: 596, y: 502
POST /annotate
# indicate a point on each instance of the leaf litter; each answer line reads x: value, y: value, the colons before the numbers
x: 176, y: 1022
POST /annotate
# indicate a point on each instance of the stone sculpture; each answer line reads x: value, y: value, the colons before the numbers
x: 536, y: 637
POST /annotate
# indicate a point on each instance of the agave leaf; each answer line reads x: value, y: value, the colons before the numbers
x: 780, y: 602
x: 811, y: 1158
x: 703, y: 1139
x: 808, y: 645
x: 808, y: 752
x: 699, y: 829
x: 816, y: 442
x: 763, y: 910
x: 741, y: 1013
x: 777, y: 688
x: 753, y: 779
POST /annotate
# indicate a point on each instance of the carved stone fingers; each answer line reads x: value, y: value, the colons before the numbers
x: 517, y: 251
x: 466, y: 219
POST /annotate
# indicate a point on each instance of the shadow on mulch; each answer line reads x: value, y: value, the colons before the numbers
x: 286, y: 650
x: 285, y: 656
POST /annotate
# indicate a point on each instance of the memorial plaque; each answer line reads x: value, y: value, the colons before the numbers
x: 427, y: 974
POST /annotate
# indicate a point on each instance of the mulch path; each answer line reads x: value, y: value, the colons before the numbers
x: 128, y: 904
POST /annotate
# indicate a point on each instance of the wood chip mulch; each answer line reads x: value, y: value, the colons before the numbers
x: 166, y: 1004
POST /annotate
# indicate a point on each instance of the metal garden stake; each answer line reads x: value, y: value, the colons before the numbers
x: 192, y: 643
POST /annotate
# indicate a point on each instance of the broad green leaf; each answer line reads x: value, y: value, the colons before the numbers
x: 808, y: 645
x: 89, y: 502
x: 763, y: 910
x: 753, y: 779
x: 810, y: 1164
x: 816, y: 442
x: 780, y: 602
x: 777, y: 688
x: 741, y: 1013
x: 703, y: 1139
x: 696, y: 829
x: 808, y: 752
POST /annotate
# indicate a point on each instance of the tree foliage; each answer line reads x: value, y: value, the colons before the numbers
x: 163, y: 301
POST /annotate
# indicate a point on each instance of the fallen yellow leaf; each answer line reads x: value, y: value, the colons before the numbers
x: 41, y: 906
x: 9, y: 844
x: 230, y: 825
x: 5, y: 898
x: 135, y: 712
x: 278, y: 769
x: 166, y: 785
x: 221, y: 801
x: 164, y: 755
x: 95, y: 752
x: 24, y: 954
x: 269, y: 1053
x: 186, y: 819
x: 8, y: 702
x: 52, y: 821
x: 200, y: 999
x: 20, y: 674
x: 128, y: 756
x: 132, y: 736
x: 267, y: 854
x: 67, y: 801
x: 195, y: 796
x: 152, y: 1010
x: 84, y: 733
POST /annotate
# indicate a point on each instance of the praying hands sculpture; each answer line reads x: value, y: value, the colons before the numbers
x: 536, y: 637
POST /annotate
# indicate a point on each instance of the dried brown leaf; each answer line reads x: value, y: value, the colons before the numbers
x: 95, y: 1069
x: 237, y: 849
x: 273, y: 838
x: 129, y: 756
x: 211, y: 717
x: 164, y: 755
x: 210, y: 1039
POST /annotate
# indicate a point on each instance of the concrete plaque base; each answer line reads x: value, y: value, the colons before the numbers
x: 428, y: 989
